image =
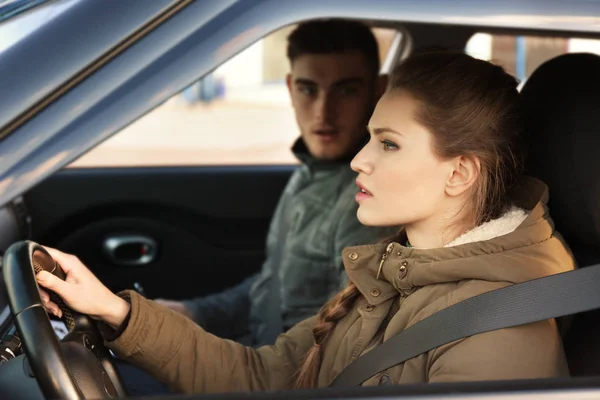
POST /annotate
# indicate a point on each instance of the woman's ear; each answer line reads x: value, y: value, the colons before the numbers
x: 463, y: 176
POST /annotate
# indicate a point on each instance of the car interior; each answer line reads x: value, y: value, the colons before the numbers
x: 561, y: 134
x: 112, y: 216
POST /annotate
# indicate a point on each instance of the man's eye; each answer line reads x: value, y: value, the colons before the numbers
x: 307, y: 90
x: 387, y: 145
x: 348, y: 90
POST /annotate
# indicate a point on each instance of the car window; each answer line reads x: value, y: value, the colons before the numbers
x: 238, y: 114
x: 521, y: 55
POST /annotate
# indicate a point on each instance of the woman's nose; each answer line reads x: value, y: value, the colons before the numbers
x: 360, y: 163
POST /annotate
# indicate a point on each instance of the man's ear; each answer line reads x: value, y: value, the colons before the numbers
x: 288, y: 82
x: 463, y: 176
x: 381, y: 85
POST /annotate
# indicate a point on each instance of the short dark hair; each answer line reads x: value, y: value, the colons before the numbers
x: 333, y: 36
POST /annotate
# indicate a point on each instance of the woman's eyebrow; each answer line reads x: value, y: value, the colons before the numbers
x: 380, y: 130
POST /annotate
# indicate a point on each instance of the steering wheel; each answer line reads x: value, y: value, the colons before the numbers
x: 79, y: 366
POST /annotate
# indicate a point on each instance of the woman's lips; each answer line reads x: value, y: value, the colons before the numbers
x: 363, y: 193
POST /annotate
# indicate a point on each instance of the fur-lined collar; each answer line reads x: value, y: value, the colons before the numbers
x: 504, y: 225
x: 517, y: 247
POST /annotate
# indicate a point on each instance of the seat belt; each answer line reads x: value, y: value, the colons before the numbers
x: 524, y: 303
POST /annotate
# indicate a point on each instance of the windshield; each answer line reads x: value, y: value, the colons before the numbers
x: 19, y: 18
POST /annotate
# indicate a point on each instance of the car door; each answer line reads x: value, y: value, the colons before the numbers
x: 174, y: 232
x: 178, y: 203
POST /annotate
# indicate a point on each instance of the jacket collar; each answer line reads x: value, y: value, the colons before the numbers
x: 301, y: 152
x: 402, y: 269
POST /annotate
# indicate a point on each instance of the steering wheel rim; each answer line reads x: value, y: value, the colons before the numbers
x: 40, y: 342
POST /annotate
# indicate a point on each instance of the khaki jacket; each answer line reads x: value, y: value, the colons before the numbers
x: 413, y: 284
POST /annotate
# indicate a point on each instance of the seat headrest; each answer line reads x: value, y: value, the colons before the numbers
x: 562, y: 138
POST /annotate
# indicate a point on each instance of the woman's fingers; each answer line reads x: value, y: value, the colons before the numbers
x: 51, y: 307
x: 66, y: 261
x: 57, y: 311
x: 52, y: 282
x: 44, y: 295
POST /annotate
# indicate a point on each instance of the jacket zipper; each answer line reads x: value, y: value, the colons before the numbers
x: 385, y: 255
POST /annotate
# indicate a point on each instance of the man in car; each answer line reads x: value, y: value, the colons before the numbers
x: 334, y: 84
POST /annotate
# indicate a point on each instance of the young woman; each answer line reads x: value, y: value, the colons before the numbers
x: 444, y: 162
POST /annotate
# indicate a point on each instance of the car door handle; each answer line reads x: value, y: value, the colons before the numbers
x: 131, y: 250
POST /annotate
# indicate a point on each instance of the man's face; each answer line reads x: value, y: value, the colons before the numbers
x: 333, y: 96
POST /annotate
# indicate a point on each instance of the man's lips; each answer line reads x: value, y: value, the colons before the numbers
x: 325, y: 131
x: 326, y: 135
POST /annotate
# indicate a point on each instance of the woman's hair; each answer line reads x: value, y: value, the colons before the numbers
x: 472, y: 109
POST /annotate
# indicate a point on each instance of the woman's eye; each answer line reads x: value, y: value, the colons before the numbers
x: 387, y: 145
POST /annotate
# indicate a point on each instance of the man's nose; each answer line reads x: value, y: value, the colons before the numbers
x: 325, y: 107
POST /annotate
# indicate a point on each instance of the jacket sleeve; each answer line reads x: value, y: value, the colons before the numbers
x: 181, y: 354
x: 525, y: 352
x: 350, y: 232
x: 225, y: 313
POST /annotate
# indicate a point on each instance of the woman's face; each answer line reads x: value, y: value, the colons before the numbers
x: 403, y: 182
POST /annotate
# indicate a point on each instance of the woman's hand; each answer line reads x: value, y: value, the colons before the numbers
x: 81, y: 291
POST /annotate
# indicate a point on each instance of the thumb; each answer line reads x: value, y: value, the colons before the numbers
x: 49, y: 281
